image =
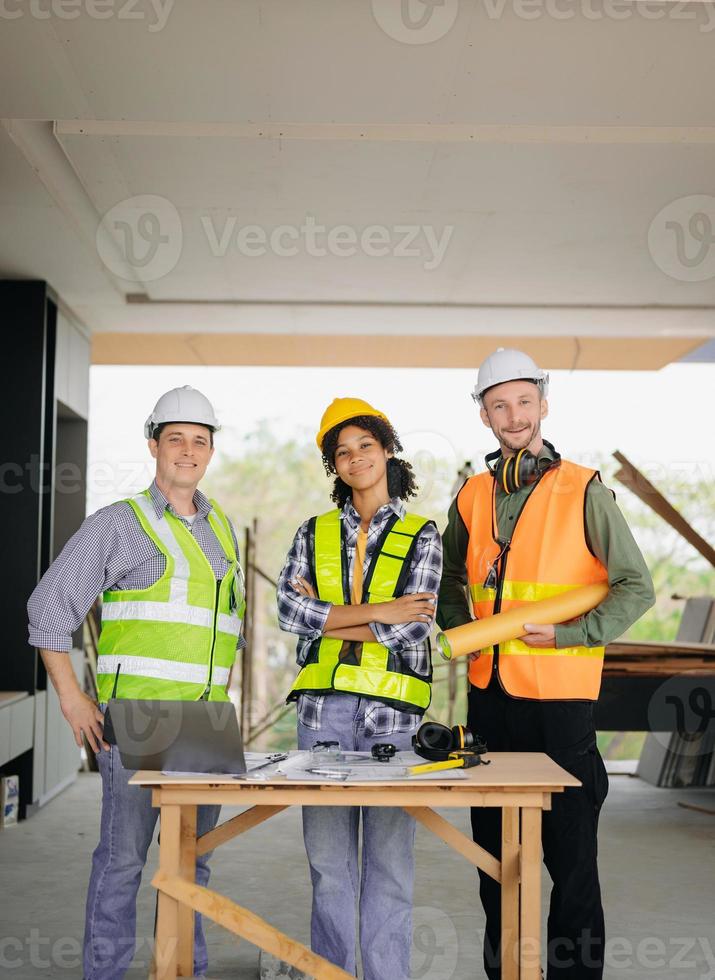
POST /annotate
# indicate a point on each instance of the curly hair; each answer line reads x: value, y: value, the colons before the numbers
x: 400, y: 475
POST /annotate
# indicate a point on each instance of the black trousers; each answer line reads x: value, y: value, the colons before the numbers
x: 565, y: 731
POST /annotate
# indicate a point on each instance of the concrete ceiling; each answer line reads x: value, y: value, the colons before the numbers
x: 540, y: 173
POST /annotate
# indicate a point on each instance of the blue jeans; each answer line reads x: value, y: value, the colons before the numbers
x: 126, y: 831
x: 331, y: 842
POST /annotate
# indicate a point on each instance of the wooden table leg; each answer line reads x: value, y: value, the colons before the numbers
x: 167, y: 920
x: 187, y: 870
x: 530, y: 926
x: 510, y: 893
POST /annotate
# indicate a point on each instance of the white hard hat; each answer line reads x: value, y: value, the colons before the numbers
x: 184, y: 404
x: 506, y: 364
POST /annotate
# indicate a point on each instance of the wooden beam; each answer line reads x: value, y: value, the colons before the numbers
x: 447, y: 832
x: 646, y: 648
x: 167, y: 930
x: 241, y: 922
x: 235, y: 826
x: 510, y: 842
x: 187, y: 870
x: 660, y: 668
x: 641, y: 486
x: 530, y: 910
x: 203, y: 345
x: 659, y: 659
x: 460, y: 794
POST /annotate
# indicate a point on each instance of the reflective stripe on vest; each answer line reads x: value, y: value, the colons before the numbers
x: 175, y: 640
x: 548, y: 555
x: 169, y: 670
x: 362, y: 668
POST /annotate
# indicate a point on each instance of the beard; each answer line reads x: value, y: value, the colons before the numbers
x: 517, y: 441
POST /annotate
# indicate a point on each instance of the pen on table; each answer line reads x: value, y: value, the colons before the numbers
x: 329, y: 773
x: 276, y: 757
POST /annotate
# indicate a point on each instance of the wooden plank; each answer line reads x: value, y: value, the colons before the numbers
x: 649, y: 647
x: 699, y: 809
x: 235, y: 826
x: 463, y: 845
x: 167, y: 922
x: 666, y: 668
x: 659, y: 663
x: 187, y: 870
x: 641, y: 486
x: 530, y: 910
x: 355, y: 796
x: 510, y: 894
x: 662, y: 664
x: 249, y: 926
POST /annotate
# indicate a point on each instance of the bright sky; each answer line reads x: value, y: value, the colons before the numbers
x: 660, y: 420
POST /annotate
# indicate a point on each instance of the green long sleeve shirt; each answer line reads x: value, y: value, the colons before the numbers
x: 630, y: 585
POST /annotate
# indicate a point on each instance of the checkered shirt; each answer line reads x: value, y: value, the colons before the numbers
x: 306, y: 617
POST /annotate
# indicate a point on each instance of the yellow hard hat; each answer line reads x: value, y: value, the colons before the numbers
x: 342, y: 409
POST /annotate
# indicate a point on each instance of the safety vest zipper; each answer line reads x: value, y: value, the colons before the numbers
x: 501, y: 571
x: 207, y: 690
x: 501, y: 576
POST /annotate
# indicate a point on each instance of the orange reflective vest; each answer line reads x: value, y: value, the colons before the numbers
x: 548, y: 554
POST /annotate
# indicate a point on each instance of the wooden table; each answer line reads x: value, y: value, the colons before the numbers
x: 521, y: 783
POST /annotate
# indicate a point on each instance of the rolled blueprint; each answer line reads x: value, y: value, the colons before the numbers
x: 481, y: 633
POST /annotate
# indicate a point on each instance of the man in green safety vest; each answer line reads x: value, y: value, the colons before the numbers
x: 166, y: 563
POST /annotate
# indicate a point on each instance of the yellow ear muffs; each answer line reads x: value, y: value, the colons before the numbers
x: 435, y: 742
x: 515, y: 472
x: 505, y: 474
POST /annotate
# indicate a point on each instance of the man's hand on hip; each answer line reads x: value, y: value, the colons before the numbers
x: 85, y: 717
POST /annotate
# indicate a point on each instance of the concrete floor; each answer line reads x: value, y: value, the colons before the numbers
x: 657, y: 870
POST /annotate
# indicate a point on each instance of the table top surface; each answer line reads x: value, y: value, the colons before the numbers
x: 507, y: 770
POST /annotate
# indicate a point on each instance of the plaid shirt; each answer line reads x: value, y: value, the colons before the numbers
x: 110, y: 550
x: 306, y: 617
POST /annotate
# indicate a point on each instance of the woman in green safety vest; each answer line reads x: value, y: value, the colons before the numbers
x: 359, y: 587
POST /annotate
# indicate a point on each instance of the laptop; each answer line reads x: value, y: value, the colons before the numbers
x: 176, y: 736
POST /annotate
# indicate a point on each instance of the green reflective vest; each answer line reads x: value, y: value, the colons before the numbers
x: 176, y: 640
x: 368, y: 669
